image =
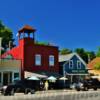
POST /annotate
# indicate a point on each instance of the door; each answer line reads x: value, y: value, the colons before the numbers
x: 7, y: 78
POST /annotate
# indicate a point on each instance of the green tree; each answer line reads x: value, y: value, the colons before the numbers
x: 97, y: 66
x: 6, y: 35
x: 65, y: 51
x: 85, y: 55
x: 98, y: 52
x: 91, y: 55
x: 82, y: 54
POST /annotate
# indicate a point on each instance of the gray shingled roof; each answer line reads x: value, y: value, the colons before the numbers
x: 65, y: 57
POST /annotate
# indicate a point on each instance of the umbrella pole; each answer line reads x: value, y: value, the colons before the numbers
x: 71, y: 79
x: 64, y: 79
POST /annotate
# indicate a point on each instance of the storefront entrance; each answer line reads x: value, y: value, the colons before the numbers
x: 7, y: 78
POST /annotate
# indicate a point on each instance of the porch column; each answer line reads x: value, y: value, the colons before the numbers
x: 12, y: 77
x: 1, y: 78
x: 71, y: 78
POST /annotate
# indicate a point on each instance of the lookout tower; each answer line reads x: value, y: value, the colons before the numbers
x: 26, y: 31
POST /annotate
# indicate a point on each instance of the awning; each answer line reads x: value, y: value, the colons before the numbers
x: 30, y: 74
x: 48, y: 74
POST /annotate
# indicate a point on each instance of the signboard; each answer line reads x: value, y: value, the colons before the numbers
x: 78, y: 71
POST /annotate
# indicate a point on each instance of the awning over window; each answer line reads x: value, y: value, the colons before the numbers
x: 30, y: 74
x: 41, y: 74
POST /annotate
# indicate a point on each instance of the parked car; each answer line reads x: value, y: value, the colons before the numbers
x: 76, y: 85
x: 24, y: 86
x: 88, y: 84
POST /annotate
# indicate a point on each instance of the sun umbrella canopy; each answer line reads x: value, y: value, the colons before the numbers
x: 33, y: 78
x: 51, y: 78
x: 63, y: 78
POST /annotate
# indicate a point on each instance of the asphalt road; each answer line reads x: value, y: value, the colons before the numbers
x: 56, y: 95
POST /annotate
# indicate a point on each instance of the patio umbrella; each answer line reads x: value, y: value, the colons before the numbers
x: 63, y: 78
x: 33, y: 78
x: 52, y: 78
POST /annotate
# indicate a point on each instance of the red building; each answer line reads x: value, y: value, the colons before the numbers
x: 34, y: 57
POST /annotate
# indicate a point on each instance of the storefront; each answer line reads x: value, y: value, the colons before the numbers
x: 73, y: 67
x: 77, y: 75
x: 10, y: 70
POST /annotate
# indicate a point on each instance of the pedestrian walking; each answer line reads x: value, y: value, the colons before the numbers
x: 46, y: 85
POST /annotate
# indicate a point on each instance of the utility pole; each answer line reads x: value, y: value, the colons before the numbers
x: 89, y: 58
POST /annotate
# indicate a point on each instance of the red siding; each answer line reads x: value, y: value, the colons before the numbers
x: 27, y: 50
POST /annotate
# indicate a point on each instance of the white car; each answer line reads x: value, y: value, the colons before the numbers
x: 76, y: 86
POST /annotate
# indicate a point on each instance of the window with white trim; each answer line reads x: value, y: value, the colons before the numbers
x: 51, y: 60
x: 71, y: 64
x: 38, y: 60
x: 78, y: 64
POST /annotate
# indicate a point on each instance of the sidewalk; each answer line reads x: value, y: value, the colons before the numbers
x: 53, y: 91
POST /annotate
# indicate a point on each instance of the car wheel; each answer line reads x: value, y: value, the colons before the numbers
x: 32, y: 91
x: 95, y: 88
x: 78, y: 89
x: 85, y: 88
x: 12, y: 92
x: 26, y: 91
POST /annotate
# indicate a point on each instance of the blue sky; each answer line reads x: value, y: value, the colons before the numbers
x: 65, y: 23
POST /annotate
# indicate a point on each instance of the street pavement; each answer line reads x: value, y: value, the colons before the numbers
x: 56, y: 95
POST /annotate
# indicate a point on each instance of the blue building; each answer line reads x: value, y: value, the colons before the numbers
x: 73, y: 67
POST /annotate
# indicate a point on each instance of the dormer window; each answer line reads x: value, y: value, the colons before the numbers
x: 71, y: 64
x: 78, y: 64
